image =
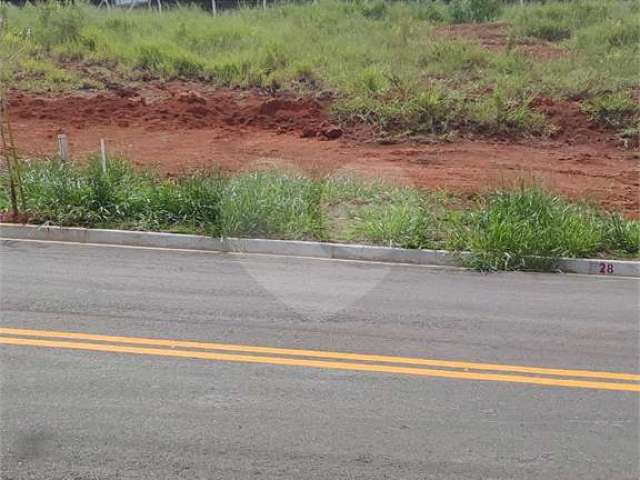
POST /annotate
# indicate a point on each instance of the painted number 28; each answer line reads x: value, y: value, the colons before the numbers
x: 606, y: 268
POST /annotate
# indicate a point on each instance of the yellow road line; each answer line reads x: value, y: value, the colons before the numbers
x: 296, y: 362
x: 321, y: 354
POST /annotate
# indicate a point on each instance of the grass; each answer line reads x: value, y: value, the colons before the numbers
x: 514, y: 228
x: 122, y: 198
x: 617, y: 110
x: 503, y: 231
x: 273, y: 205
x: 385, y: 60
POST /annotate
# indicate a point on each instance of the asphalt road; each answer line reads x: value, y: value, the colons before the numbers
x: 74, y: 413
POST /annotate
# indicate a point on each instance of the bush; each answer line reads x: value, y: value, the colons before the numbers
x: 374, y: 9
x: 500, y: 114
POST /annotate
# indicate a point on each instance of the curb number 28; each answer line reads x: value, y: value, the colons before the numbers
x: 606, y: 268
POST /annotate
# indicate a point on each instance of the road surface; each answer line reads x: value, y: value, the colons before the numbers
x: 129, y: 363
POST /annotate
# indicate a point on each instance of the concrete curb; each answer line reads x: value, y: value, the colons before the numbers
x: 619, y: 268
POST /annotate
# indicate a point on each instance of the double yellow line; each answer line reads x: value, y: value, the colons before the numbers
x: 322, y: 359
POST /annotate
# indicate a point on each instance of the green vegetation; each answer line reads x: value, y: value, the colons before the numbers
x: 505, y: 230
x: 387, y: 61
x: 616, y: 110
x: 268, y: 204
x: 85, y: 196
x: 515, y: 226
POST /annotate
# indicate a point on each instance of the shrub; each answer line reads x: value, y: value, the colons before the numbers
x: 498, y: 113
x: 374, y: 9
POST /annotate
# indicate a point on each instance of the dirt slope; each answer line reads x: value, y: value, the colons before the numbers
x: 177, y: 127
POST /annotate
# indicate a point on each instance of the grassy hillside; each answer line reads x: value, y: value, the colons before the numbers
x: 387, y: 62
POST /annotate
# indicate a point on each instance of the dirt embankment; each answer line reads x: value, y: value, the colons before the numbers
x: 178, y: 127
x: 176, y: 106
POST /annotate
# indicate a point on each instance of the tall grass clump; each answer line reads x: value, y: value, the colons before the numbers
x: 513, y: 230
x: 122, y: 197
x: 470, y: 11
x: 621, y: 236
x: 189, y: 203
x: 378, y: 213
x: 272, y: 204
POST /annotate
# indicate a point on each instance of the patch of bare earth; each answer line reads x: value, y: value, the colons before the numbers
x: 495, y: 36
x: 180, y: 127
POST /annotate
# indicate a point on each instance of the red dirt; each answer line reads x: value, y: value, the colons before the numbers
x: 179, y: 127
x: 171, y: 107
x: 495, y: 36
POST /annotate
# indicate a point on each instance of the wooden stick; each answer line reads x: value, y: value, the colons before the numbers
x: 63, y: 147
x: 103, y: 155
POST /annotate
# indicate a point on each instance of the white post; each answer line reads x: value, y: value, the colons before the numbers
x: 63, y: 147
x: 214, y: 8
x: 159, y: 6
x: 103, y: 155
x: 264, y: 4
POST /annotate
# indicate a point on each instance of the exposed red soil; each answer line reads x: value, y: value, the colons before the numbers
x: 179, y: 127
x: 171, y: 107
x: 495, y: 36
x: 13, y: 217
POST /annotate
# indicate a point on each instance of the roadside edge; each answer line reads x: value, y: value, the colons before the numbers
x: 10, y: 231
